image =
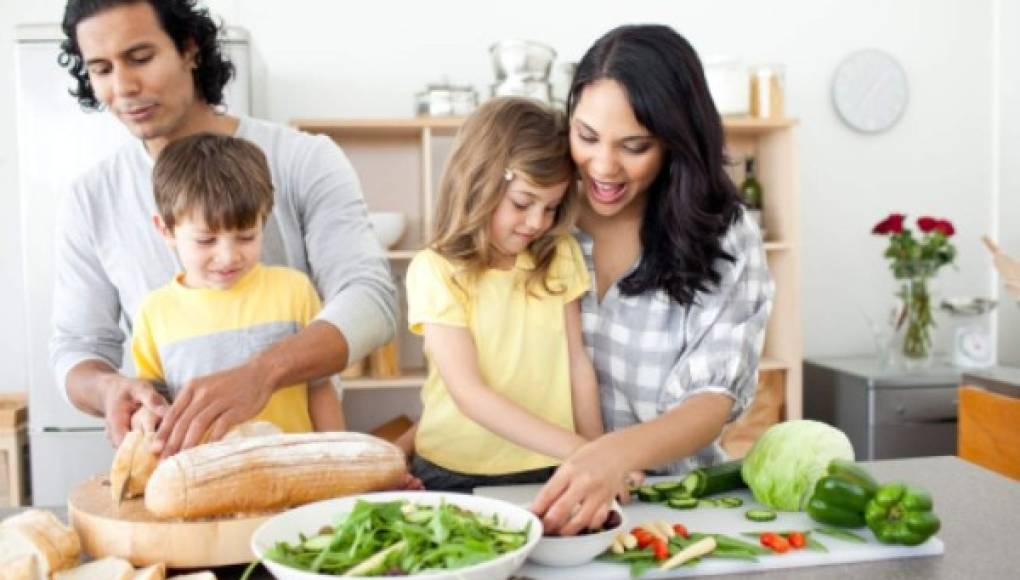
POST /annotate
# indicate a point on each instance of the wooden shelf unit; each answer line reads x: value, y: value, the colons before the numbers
x: 399, y: 162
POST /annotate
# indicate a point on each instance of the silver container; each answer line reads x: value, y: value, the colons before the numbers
x: 539, y: 90
x: 521, y: 60
x: 446, y: 100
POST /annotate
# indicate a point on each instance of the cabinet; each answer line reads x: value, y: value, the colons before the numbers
x: 399, y: 162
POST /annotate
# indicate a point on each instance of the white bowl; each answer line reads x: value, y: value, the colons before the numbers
x: 576, y: 550
x: 309, y: 519
x: 388, y: 226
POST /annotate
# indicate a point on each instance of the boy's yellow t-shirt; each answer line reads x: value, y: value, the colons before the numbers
x: 181, y: 333
x: 521, y: 343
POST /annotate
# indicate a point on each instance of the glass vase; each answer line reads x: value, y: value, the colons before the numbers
x: 915, y: 323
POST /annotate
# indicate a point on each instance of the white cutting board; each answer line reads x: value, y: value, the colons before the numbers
x: 729, y: 521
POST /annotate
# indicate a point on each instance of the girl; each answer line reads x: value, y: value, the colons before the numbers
x: 681, y: 295
x: 510, y: 390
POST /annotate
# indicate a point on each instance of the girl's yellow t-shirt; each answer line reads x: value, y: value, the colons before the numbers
x: 521, y: 343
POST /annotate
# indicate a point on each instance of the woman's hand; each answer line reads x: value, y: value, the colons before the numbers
x: 578, y: 495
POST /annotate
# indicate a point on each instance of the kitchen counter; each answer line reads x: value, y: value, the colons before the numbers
x: 1002, y: 380
x: 978, y: 509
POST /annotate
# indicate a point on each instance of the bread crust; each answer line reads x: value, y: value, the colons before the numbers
x: 261, y: 474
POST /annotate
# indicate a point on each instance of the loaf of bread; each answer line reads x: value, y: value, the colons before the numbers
x: 105, y: 569
x: 154, y: 572
x: 51, y: 545
x: 21, y: 567
x: 261, y: 474
x: 132, y: 465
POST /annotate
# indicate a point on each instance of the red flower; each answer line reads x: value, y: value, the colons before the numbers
x: 890, y: 225
x: 945, y: 226
x: 927, y: 223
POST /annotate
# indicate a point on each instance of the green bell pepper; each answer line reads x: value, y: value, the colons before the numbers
x: 901, y: 514
x: 841, y: 496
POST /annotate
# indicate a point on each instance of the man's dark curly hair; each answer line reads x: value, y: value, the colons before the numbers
x: 182, y: 20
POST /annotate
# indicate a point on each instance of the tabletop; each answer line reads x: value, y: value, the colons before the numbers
x: 979, y: 509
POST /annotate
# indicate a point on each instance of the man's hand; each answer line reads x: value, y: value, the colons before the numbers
x: 123, y: 398
x: 212, y: 405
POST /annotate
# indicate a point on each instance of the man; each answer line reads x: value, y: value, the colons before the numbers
x: 157, y: 67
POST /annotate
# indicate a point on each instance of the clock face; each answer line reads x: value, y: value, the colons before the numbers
x: 973, y: 346
x: 870, y: 91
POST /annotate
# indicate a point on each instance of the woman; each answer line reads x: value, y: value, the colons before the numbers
x: 681, y: 291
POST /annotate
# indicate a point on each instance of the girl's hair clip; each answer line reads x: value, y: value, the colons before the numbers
x: 508, y: 175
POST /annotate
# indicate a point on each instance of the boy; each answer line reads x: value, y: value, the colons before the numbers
x: 213, y: 196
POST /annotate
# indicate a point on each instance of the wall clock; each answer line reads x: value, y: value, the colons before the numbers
x: 870, y: 91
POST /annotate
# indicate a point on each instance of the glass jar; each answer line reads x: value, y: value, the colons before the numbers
x: 768, y: 85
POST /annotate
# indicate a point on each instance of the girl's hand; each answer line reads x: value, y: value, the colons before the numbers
x: 634, y: 480
x: 578, y: 495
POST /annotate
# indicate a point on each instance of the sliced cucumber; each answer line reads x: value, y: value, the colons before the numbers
x: 682, y: 503
x: 707, y: 503
x: 666, y: 487
x: 715, y: 479
x: 760, y: 515
x: 647, y: 493
x: 730, y: 502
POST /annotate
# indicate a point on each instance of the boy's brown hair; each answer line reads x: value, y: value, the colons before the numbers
x: 508, y: 134
x: 225, y: 179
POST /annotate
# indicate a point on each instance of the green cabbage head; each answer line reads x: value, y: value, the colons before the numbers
x: 789, y: 458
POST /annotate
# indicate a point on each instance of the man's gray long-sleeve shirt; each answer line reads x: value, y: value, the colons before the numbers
x: 109, y: 254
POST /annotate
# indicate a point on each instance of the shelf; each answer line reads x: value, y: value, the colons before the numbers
x: 776, y: 246
x: 753, y: 125
x: 408, y: 126
x: 401, y: 254
x: 772, y: 364
x: 413, y: 125
x: 408, y: 381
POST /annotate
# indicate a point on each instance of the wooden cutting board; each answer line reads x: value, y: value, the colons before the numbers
x: 730, y: 521
x: 129, y: 531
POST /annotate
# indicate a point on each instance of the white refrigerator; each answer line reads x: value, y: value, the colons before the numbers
x: 57, y: 141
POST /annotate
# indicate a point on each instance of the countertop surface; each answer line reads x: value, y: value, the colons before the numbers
x: 1003, y: 380
x: 979, y: 509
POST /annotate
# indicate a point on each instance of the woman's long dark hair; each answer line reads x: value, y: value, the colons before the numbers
x: 692, y: 202
x: 182, y: 20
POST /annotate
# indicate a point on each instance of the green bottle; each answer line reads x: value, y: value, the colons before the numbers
x: 750, y: 188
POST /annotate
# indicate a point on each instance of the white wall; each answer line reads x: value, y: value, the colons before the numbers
x: 322, y: 58
x: 1009, y: 169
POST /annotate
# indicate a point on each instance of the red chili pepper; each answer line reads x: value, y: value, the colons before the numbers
x: 781, y: 545
x: 644, y: 537
x: 681, y: 531
x: 775, y: 542
x: 660, y: 550
x: 797, y: 539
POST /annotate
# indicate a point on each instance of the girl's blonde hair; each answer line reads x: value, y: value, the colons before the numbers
x: 513, y: 134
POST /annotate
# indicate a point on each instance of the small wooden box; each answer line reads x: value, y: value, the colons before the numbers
x: 13, y: 410
x: 14, y: 448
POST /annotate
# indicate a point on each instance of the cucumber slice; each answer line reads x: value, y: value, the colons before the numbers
x: 682, y: 503
x: 666, y: 487
x: 731, y: 502
x: 647, y: 493
x: 707, y: 503
x: 760, y: 515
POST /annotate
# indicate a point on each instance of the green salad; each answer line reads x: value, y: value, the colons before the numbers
x: 399, y: 538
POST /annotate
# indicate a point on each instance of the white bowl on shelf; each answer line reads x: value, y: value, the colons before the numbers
x: 310, y: 518
x: 388, y: 226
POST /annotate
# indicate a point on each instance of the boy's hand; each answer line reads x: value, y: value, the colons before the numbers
x: 123, y: 398
x: 145, y: 420
x: 213, y: 403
